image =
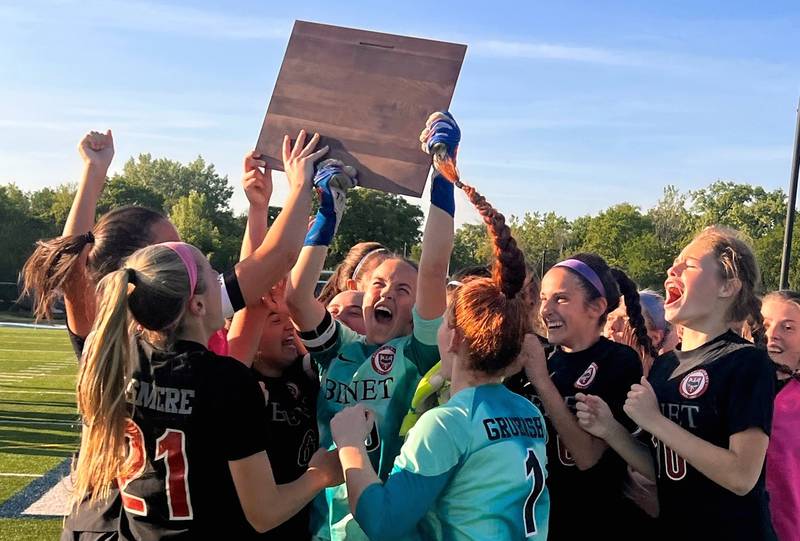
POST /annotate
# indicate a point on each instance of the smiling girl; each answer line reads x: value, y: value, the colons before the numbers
x: 781, y: 311
x: 576, y: 297
x: 706, y: 409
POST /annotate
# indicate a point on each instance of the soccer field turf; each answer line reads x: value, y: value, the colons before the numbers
x: 38, y: 426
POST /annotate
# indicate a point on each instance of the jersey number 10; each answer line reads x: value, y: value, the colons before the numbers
x: 171, y: 445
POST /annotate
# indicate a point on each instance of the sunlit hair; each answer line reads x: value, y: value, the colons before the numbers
x: 151, y: 292
x: 736, y: 262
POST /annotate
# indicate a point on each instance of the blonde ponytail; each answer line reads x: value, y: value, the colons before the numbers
x: 105, y: 370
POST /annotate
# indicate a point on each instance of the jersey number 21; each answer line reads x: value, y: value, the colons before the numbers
x: 171, y: 446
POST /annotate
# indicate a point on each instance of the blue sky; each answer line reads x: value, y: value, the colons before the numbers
x: 565, y: 106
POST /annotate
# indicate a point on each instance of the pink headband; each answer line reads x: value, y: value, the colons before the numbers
x: 586, y: 272
x: 186, y: 254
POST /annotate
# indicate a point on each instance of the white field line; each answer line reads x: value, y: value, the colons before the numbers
x: 10, y: 390
x: 36, y: 326
x: 38, y: 422
x: 9, y: 474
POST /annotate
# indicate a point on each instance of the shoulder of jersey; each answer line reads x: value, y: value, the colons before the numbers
x: 524, y: 403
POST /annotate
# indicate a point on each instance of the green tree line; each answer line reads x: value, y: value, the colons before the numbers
x: 644, y: 243
x: 197, y: 200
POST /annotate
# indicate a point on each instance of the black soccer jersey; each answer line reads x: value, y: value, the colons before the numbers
x: 193, y: 411
x: 518, y: 383
x: 731, y: 390
x: 606, y: 369
x: 291, y: 421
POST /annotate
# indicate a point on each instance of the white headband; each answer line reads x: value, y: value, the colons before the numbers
x: 363, y: 259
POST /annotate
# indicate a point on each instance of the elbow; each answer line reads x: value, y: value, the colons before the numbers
x: 742, y: 486
x: 261, y: 523
x: 585, y: 461
x: 585, y: 464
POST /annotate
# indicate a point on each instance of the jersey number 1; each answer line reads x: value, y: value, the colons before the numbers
x: 532, y: 470
x: 170, y: 446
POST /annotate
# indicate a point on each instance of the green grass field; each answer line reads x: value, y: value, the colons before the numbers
x: 38, y: 420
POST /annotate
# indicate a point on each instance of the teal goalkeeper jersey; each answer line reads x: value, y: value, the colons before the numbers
x: 471, y: 469
x: 383, y: 378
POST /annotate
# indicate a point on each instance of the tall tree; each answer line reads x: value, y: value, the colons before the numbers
x: 377, y: 216
x: 471, y: 246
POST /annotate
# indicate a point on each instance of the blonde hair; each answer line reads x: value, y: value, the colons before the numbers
x: 736, y: 262
x: 151, y: 291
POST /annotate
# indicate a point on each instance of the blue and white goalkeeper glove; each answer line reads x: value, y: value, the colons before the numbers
x: 332, y: 180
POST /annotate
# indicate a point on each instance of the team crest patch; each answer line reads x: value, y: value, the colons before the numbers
x: 587, y: 377
x: 383, y: 359
x: 694, y: 384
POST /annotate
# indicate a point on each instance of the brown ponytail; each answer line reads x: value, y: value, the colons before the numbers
x: 52, y: 270
x: 48, y: 272
x: 491, y: 312
x: 633, y: 308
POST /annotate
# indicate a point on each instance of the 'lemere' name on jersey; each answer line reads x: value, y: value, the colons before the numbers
x: 165, y: 399
x: 510, y: 427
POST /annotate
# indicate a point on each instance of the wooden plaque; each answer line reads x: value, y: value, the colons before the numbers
x: 367, y: 94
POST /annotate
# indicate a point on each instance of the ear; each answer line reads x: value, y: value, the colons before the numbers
x: 730, y: 288
x: 657, y: 337
x: 456, y: 340
x: 352, y: 285
x: 197, y: 306
x: 597, y: 308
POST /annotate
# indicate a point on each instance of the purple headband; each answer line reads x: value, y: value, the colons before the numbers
x: 586, y: 271
x: 186, y: 254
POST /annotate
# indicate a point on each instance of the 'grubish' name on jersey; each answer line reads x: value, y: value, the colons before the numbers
x: 164, y: 399
x: 510, y: 427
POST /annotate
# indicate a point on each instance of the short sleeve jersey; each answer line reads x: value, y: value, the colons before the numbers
x: 491, y: 443
x: 193, y: 412
x: 606, y: 369
x: 291, y: 422
x: 382, y: 377
x: 729, y: 391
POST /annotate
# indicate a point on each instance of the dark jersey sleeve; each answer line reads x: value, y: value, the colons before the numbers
x: 241, y: 418
x: 628, y: 371
x: 231, y: 295
x: 77, y: 342
x: 749, y: 402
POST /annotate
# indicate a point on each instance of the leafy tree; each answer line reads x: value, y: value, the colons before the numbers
x: 471, y: 246
x: 542, y: 237
x: 609, y: 232
x: 19, y: 231
x: 170, y: 181
x: 377, y: 216
x: 193, y: 223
